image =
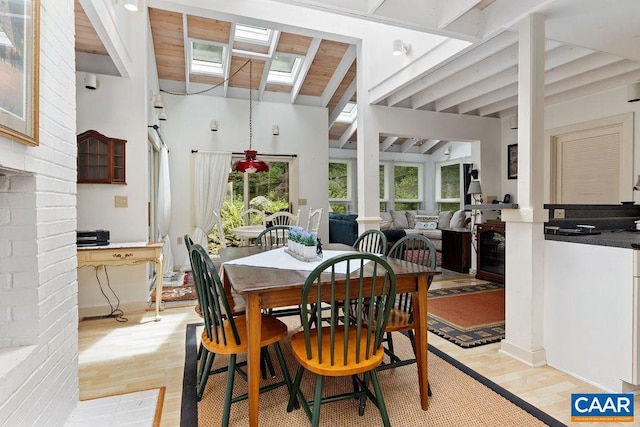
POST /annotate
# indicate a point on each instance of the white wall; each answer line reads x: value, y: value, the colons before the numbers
x: 39, y: 318
x: 117, y: 108
x: 303, y: 132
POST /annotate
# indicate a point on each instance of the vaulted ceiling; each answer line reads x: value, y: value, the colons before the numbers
x: 590, y: 47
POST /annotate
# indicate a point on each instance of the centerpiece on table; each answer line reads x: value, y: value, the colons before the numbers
x: 302, y: 244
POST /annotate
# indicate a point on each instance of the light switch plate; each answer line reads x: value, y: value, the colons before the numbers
x: 121, y: 201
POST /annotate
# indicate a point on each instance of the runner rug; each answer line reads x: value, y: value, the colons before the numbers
x: 461, y: 396
x: 468, y: 316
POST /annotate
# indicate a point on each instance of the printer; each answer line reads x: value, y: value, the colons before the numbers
x: 92, y: 237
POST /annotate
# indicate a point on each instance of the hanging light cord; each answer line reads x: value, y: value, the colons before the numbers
x: 214, y: 86
x: 250, y: 101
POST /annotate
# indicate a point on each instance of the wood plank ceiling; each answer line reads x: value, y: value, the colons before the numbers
x: 482, y: 81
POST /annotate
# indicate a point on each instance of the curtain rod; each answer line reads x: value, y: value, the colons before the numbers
x: 157, y: 129
x: 242, y: 154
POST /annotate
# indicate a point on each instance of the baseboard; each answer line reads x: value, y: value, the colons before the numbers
x: 104, y: 311
x: 532, y: 358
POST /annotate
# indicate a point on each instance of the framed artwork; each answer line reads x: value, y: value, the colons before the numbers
x: 512, y: 161
x: 19, y: 67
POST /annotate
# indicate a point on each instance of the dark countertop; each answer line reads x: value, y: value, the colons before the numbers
x: 613, y: 238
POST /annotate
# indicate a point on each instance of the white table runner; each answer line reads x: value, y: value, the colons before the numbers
x: 277, y: 258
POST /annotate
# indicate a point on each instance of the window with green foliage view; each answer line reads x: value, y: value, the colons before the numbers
x: 339, y: 194
x: 448, y: 192
x: 407, y: 187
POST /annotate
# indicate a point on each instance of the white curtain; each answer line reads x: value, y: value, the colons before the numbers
x: 164, y: 210
x: 208, y: 187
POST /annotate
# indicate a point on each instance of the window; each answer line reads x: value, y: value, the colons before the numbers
x: 269, y: 191
x: 249, y: 33
x: 339, y: 186
x: 348, y: 113
x: 384, y: 188
x: 448, y: 184
x: 206, y: 58
x: 407, y: 186
x: 101, y: 160
x: 284, y: 69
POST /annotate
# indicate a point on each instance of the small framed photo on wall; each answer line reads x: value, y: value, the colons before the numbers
x: 512, y: 161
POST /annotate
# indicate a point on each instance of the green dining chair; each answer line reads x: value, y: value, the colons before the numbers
x: 372, y: 241
x: 225, y: 333
x: 347, y: 349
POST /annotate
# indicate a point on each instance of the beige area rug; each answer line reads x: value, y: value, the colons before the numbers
x: 458, y: 399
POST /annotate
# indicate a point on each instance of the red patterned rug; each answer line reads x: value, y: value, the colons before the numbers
x: 468, y: 316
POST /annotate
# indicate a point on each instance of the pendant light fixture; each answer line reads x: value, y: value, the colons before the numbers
x: 250, y: 164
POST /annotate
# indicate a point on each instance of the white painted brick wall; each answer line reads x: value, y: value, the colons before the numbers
x: 38, y: 279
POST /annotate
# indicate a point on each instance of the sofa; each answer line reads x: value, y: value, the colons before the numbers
x: 427, y: 223
x: 343, y: 228
x: 395, y: 224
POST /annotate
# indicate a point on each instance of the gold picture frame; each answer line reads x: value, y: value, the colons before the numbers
x: 19, y: 70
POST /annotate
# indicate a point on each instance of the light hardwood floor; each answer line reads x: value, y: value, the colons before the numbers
x: 140, y: 354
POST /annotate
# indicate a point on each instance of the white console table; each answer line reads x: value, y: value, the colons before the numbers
x: 134, y: 253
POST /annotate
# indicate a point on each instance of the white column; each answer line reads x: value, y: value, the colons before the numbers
x: 368, y: 153
x: 524, y: 226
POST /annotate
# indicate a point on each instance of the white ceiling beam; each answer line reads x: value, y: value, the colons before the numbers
x: 477, y: 89
x: 187, y: 49
x: 344, y: 100
x: 594, y: 87
x: 450, y: 10
x: 486, y: 49
x: 408, y: 144
x: 304, y: 68
x: 582, y: 65
x: 374, y: 5
x: 485, y: 68
x: 348, y: 133
x: 564, y: 54
x: 497, y: 106
x: 387, y: 143
x: 227, y: 60
x: 428, y: 145
x: 102, y: 20
x: 489, y: 98
x: 267, y: 64
x: 590, y: 78
x: 338, y: 75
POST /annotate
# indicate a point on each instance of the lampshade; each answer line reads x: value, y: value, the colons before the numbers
x: 131, y: 5
x: 250, y: 164
x: 400, y: 47
x: 474, y: 188
x: 157, y: 101
x: 633, y: 92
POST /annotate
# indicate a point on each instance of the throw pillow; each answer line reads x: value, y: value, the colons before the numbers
x: 399, y: 220
x: 385, y: 225
x: 426, y: 222
x: 421, y: 212
x: 411, y: 218
x: 386, y: 216
x: 444, y: 219
x: 458, y: 219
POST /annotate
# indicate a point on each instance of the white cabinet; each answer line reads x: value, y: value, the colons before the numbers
x: 591, y: 313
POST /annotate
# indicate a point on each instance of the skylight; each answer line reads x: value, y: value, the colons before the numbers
x: 252, y: 34
x: 284, y: 69
x: 206, y: 58
x: 348, y: 113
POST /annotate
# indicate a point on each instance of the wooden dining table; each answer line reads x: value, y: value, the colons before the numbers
x: 268, y: 287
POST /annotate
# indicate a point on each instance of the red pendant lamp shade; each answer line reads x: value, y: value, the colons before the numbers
x: 250, y: 164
